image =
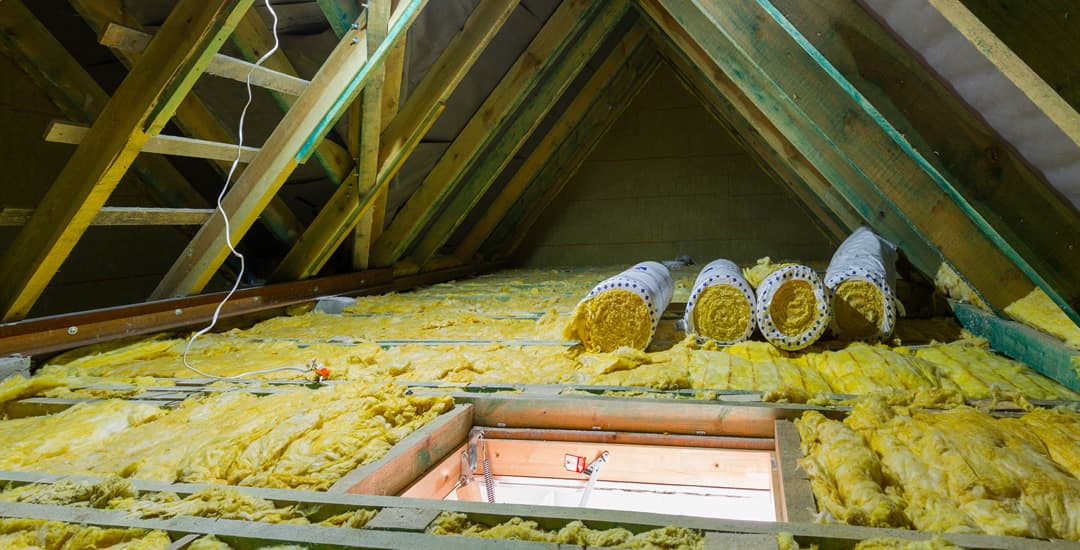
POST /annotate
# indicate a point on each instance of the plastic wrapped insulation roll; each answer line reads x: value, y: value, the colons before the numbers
x: 793, y: 308
x: 624, y: 310
x: 721, y: 304
x: 861, y: 278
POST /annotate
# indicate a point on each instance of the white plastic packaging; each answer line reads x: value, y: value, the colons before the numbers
x: 864, y: 256
x: 819, y: 314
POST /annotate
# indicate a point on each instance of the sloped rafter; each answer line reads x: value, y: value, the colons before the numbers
x: 835, y: 217
x: 74, y: 134
x: 341, y: 14
x: 142, y: 104
x: 340, y: 214
x: 791, y: 84
x: 26, y: 41
x: 519, y: 81
x: 192, y: 115
x: 516, y: 130
x: 598, y: 83
x: 337, y: 83
x: 570, y: 152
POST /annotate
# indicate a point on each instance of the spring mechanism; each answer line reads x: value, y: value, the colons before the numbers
x: 489, y: 481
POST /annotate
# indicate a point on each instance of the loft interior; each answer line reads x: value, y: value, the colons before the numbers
x: 632, y: 273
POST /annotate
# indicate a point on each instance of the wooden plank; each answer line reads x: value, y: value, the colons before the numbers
x: 425, y: 103
x: 730, y: 541
x: 795, y: 492
x: 888, y: 172
x: 193, y: 117
x: 411, y: 457
x: 834, y: 215
x: 403, y: 519
x: 368, y: 129
x: 118, y: 215
x: 341, y: 14
x: 514, y: 87
x: 67, y: 132
x: 135, y: 41
x: 1042, y: 352
x: 141, y: 106
x: 516, y: 130
x: 566, y: 160
x: 539, y: 157
x: 27, y: 42
x: 338, y: 82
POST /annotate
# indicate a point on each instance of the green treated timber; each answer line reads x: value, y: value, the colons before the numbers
x: 344, y: 209
x: 875, y: 172
x: 341, y: 14
x: 27, y: 42
x: 538, y: 158
x: 557, y: 34
x: 571, y: 153
x: 1042, y: 352
x: 836, y: 221
x: 337, y: 83
x: 1062, y: 286
x: 141, y: 106
x: 516, y: 130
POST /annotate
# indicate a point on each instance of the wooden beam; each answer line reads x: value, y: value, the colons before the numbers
x: 569, y: 119
x: 135, y: 41
x: 27, y: 42
x: 141, y: 106
x: 515, y: 131
x: 368, y: 128
x: 807, y: 186
x: 445, y: 177
x: 570, y: 154
x: 192, y: 115
x: 115, y: 215
x: 874, y: 167
x: 425, y: 103
x: 1042, y: 352
x: 341, y: 78
x: 67, y: 132
x: 795, y: 491
x: 341, y: 14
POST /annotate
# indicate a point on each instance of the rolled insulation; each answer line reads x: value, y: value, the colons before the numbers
x: 861, y: 278
x: 792, y: 308
x: 721, y: 304
x: 624, y: 310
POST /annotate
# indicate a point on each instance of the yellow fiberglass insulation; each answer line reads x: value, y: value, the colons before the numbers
x: 1059, y: 430
x: 1037, y: 310
x: 978, y: 371
x: 610, y: 320
x: 949, y: 283
x: 845, y: 474
x: 858, y: 309
x: 755, y: 366
x: 791, y: 309
x: 723, y: 313
x: 294, y: 439
x: 954, y: 470
x: 786, y: 541
x: 574, y: 533
x: 37, y: 534
x: 762, y: 269
x: 862, y: 368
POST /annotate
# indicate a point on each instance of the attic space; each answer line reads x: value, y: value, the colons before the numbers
x: 526, y: 273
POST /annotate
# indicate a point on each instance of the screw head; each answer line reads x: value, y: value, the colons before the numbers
x: 73, y: 330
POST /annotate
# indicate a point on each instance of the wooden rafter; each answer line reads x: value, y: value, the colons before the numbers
x: 516, y: 130
x: 882, y: 179
x: 26, y: 41
x: 192, y: 115
x: 571, y: 152
x: 337, y: 83
x: 466, y: 149
x: 540, y: 156
x: 341, y: 14
x: 121, y: 215
x: 141, y: 106
x: 66, y: 132
x: 340, y: 214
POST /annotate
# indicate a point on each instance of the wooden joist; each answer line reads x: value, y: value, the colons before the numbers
x: 446, y: 176
x: 135, y: 41
x: 341, y: 14
x: 67, y: 132
x: 515, y: 131
x: 117, y: 215
x: 577, y: 110
x: 193, y: 116
x: 141, y: 106
x: 793, y: 86
x: 340, y: 214
x: 27, y: 42
x: 570, y: 153
x: 341, y: 78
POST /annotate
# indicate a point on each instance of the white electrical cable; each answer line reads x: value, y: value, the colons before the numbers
x: 228, y: 229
